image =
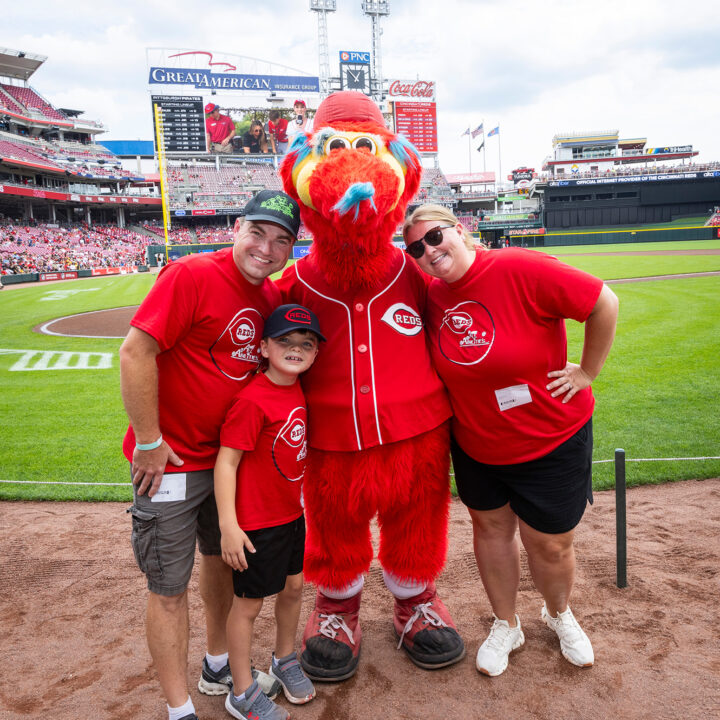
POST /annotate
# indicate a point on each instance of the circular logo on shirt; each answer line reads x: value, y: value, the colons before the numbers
x: 404, y: 319
x: 290, y: 446
x: 236, y: 353
x: 467, y: 333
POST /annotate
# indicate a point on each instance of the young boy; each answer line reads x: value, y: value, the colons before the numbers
x: 258, y: 479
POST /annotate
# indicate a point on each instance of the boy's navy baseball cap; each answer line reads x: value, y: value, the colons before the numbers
x: 275, y: 206
x: 286, y: 318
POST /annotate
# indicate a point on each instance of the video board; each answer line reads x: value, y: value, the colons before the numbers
x: 183, y: 122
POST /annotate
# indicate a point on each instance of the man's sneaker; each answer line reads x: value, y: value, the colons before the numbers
x: 574, y: 643
x: 492, y: 657
x: 331, y: 642
x: 256, y: 705
x: 296, y: 686
x: 221, y: 682
x: 426, y: 630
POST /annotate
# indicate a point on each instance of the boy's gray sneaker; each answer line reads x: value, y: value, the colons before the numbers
x: 221, y: 682
x: 297, y: 687
x: 256, y: 705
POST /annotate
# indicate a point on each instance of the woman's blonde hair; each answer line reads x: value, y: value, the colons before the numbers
x: 440, y: 214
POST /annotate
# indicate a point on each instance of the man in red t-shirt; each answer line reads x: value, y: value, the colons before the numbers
x: 194, y: 342
x: 277, y: 132
x: 219, y: 130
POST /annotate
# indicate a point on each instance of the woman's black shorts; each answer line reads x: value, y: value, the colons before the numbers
x: 279, y: 552
x: 549, y: 494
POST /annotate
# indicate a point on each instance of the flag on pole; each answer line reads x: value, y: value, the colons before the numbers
x: 467, y: 132
x: 477, y: 131
x: 482, y: 145
x: 494, y: 131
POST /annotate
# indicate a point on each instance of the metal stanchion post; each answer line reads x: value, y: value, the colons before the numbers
x: 620, y: 518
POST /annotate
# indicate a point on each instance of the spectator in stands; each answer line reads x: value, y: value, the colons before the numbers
x: 217, y: 301
x: 522, y: 436
x: 301, y: 123
x: 277, y: 131
x: 219, y: 130
x: 254, y: 140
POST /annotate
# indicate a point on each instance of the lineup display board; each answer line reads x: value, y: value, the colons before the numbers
x: 183, y: 122
x: 418, y: 122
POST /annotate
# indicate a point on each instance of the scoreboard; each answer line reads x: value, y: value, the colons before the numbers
x: 183, y: 122
x: 418, y: 122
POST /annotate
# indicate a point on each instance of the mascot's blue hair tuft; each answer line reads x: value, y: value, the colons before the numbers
x: 404, y: 151
x: 353, y: 196
x: 300, y: 145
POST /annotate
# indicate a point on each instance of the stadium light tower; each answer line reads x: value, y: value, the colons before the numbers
x: 322, y: 8
x: 374, y: 9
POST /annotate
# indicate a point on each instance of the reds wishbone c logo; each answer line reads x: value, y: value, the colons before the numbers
x: 289, y: 447
x: 404, y: 319
x: 458, y: 322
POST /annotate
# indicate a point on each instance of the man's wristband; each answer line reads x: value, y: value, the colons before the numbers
x: 149, y: 446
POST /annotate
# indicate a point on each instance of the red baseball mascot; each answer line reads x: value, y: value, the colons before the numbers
x: 379, y: 432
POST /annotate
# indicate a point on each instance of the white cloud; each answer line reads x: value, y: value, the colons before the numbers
x: 649, y: 68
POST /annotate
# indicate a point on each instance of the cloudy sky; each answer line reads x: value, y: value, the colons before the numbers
x: 648, y: 68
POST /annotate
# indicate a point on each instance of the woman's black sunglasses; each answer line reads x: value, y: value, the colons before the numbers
x: 432, y: 237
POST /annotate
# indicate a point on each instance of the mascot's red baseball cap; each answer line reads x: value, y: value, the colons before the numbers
x: 347, y: 106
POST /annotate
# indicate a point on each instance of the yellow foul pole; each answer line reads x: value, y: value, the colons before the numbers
x: 160, y: 135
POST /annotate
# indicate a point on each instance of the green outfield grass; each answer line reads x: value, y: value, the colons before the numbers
x: 713, y: 244
x: 657, y: 397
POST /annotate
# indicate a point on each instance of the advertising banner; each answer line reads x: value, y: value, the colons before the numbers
x: 418, y: 122
x: 121, y: 270
x: 203, y: 79
x: 74, y: 197
x: 411, y: 90
x: 69, y: 275
x: 528, y: 231
x: 634, y: 179
x: 478, y: 178
x: 668, y: 150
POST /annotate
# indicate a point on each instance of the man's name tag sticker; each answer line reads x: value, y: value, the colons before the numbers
x: 513, y: 396
x: 172, y: 488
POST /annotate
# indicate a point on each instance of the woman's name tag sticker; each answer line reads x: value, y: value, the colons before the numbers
x: 513, y: 396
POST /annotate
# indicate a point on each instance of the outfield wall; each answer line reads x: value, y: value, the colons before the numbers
x: 71, y: 274
x: 551, y: 239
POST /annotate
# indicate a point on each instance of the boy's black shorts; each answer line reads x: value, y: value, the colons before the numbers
x: 279, y: 552
x: 549, y: 493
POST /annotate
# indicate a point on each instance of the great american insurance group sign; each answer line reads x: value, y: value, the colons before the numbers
x: 211, y: 73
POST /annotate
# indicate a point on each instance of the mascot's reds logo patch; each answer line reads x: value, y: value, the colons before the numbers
x: 467, y: 333
x: 290, y: 447
x: 404, y: 319
x: 236, y: 352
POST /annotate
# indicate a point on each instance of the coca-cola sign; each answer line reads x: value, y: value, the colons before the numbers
x: 416, y: 90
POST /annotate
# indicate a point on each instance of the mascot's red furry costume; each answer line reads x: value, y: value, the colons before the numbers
x: 378, y: 430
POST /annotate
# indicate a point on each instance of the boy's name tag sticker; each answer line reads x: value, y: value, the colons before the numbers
x: 513, y: 396
x: 172, y: 488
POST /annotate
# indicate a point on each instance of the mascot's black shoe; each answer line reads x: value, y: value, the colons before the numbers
x: 331, y: 643
x: 426, y: 630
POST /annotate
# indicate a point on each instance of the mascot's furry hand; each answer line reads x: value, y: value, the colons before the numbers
x: 351, y: 202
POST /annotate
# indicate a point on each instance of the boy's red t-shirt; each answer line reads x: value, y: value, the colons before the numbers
x: 269, y: 423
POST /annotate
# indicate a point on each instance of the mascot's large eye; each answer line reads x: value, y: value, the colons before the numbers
x: 364, y: 143
x: 336, y: 142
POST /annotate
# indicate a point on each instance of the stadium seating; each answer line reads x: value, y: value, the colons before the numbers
x: 45, y: 248
x: 30, y: 99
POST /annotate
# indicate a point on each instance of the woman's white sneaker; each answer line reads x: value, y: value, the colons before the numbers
x: 574, y: 643
x: 492, y: 657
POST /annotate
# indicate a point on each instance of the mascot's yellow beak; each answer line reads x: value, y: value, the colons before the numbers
x: 329, y: 145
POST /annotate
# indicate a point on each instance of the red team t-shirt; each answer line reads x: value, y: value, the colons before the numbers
x: 219, y: 129
x: 208, y: 321
x: 494, y: 336
x: 269, y: 423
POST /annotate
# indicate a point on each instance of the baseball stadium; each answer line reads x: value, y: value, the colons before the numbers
x: 86, y: 225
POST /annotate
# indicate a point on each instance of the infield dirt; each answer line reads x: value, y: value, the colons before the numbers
x: 72, y: 613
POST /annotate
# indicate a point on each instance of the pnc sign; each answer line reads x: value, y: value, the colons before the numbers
x: 351, y: 56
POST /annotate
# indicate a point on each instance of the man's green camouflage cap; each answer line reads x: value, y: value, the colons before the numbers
x: 277, y: 207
